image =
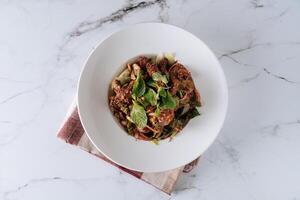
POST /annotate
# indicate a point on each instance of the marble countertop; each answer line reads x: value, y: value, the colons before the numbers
x: 43, y: 45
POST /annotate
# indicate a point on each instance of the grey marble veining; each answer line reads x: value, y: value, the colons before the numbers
x: 44, y: 44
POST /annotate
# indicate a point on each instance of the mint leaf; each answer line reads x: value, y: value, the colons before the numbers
x: 162, y: 92
x: 138, y: 115
x: 159, y: 77
x: 150, y: 97
x: 142, y: 101
x: 139, y: 87
x: 169, y: 102
x: 151, y: 83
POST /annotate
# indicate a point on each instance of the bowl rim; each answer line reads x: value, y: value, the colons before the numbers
x: 108, y: 36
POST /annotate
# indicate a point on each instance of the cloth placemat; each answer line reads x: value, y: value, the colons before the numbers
x: 73, y: 133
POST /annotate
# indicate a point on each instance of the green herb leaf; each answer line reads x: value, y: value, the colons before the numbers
x: 194, y: 113
x: 139, y: 87
x: 159, y: 77
x: 162, y: 92
x: 138, y: 115
x: 142, y: 101
x: 157, y: 111
x: 169, y: 102
x: 150, y: 97
x: 151, y: 83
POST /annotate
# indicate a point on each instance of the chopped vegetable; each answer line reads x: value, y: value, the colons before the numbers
x: 159, y: 57
x: 136, y: 69
x: 170, y: 58
x: 124, y: 77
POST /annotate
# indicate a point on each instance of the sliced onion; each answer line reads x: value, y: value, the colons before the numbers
x: 170, y: 57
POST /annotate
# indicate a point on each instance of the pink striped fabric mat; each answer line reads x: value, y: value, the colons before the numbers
x: 73, y: 133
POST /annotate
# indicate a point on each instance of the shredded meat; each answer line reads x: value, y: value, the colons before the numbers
x: 150, y: 109
x: 181, y: 81
x: 178, y: 71
x: 144, y: 130
x: 137, y: 134
x: 122, y: 99
x: 166, y: 116
x: 163, y: 65
x: 186, y: 98
x: 142, y: 61
x: 153, y: 120
x: 151, y: 68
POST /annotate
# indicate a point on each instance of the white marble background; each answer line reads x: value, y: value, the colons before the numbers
x: 43, y: 45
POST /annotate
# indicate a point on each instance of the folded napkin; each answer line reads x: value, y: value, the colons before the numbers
x: 73, y: 133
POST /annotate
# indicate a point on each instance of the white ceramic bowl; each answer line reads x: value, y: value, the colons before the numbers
x: 102, y: 66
